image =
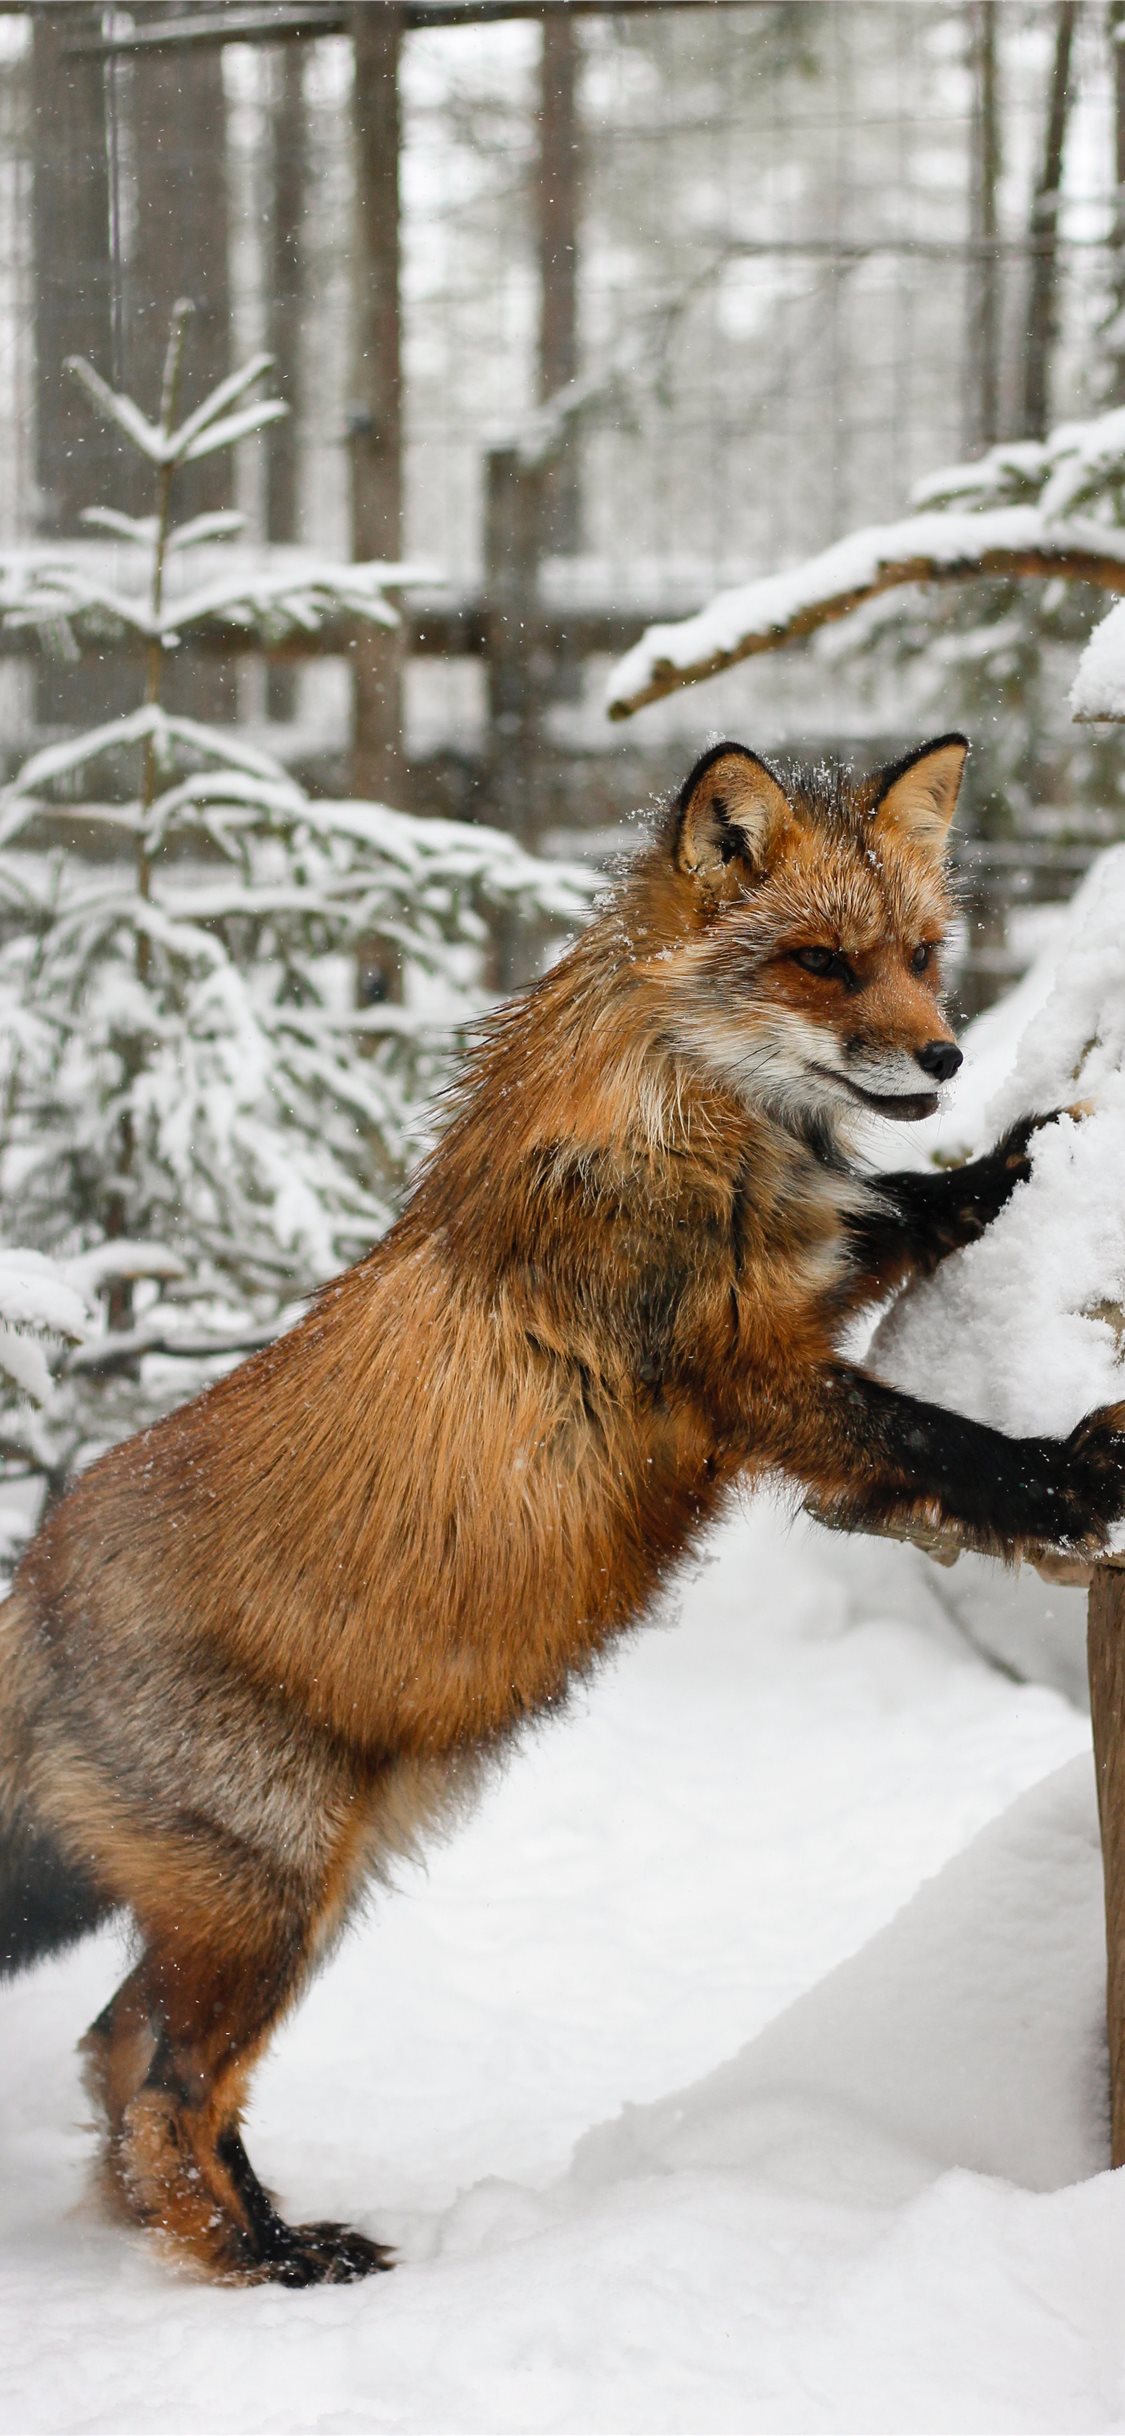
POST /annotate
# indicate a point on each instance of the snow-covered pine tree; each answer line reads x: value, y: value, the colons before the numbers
x: 191, y: 1104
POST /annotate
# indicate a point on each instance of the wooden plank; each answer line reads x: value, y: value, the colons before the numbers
x: 1105, y: 1646
x: 461, y: 630
x: 209, y: 27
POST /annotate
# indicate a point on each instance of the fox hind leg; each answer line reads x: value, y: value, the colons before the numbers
x: 168, y: 2063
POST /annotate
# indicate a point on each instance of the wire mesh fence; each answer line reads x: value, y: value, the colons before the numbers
x: 802, y: 246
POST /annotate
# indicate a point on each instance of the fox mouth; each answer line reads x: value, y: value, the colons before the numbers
x: 909, y: 1107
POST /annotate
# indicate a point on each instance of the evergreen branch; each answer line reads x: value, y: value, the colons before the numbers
x: 124, y: 411
x: 235, y: 427
x: 126, y: 1346
x: 225, y: 393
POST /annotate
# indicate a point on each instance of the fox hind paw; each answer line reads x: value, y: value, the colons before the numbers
x: 300, y: 2255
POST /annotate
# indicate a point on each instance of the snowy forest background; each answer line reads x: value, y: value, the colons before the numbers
x: 513, y: 331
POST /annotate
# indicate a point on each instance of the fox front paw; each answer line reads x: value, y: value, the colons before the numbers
x: 988, y: 1184
x: 1012, y: 1150
x: 1091, y: 1491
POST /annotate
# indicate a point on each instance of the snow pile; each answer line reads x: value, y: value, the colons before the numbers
x: 1025, y: 1328
x: 874, y: 2217
x: 1098, y: 691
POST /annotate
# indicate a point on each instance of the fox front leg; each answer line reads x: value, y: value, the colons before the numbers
x: 874, y: 1457
x: 915, y: 1221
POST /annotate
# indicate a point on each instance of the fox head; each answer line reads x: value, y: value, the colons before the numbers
x: 803, y: 921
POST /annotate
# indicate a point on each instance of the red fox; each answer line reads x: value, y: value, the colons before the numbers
x: 261, y: 1646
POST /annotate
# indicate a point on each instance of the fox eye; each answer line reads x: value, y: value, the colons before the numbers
x: 921, y: 957
x: 825, y: 961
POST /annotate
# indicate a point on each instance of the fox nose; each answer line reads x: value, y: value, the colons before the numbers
x: 939, y: 1058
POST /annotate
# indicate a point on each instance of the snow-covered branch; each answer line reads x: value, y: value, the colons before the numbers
x: 936, y: 547
x: 272, y: 592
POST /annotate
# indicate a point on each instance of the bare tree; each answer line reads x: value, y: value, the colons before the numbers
x: 1042, y: 304
x: 1115, y: 29
x: 982, y: 386
x: 558, y: 187
x: 287, y: 195
x: 376, y: 421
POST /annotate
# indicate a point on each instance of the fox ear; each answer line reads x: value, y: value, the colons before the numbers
x: 917, y: 796
x: 730, y: 818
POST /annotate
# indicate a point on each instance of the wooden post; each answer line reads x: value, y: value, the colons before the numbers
x: 1105, y: 1649
x: 512, y: 527
x: 512, y: 505
x: 376, y: 419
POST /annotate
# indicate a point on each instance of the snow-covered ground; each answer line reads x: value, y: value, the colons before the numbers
x: 672, y: 2129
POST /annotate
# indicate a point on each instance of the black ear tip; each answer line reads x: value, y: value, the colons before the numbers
x: 886, y: 778
x: 729, y: 750
x: 707, y: 761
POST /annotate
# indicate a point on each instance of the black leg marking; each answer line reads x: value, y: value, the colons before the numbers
x: 296, y: 2254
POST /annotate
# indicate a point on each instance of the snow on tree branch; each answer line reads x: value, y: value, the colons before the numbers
x: 1013, y: 513
x: 218, y: 1044
x: 928, y: 549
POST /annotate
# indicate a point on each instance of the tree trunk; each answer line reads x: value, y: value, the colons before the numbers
x: 1106, y: 1658
x: 283, y: 306
x: 78, y: 459
x: 75, y: 456
x: 180, y: 249
x: 558, y: 185
x: 982, y: 394
x: 1115, y: 27
x: 376, y: 422
x: 1042, y: 305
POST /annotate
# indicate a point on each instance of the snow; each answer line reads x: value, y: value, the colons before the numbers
x: 1025, y: 1327
x: 36, y: 1292
x: 765, y: 611
x: 1098, y: 691
x: 1076, y: 462
x: 207, y: 428
x: 678, y: 2120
